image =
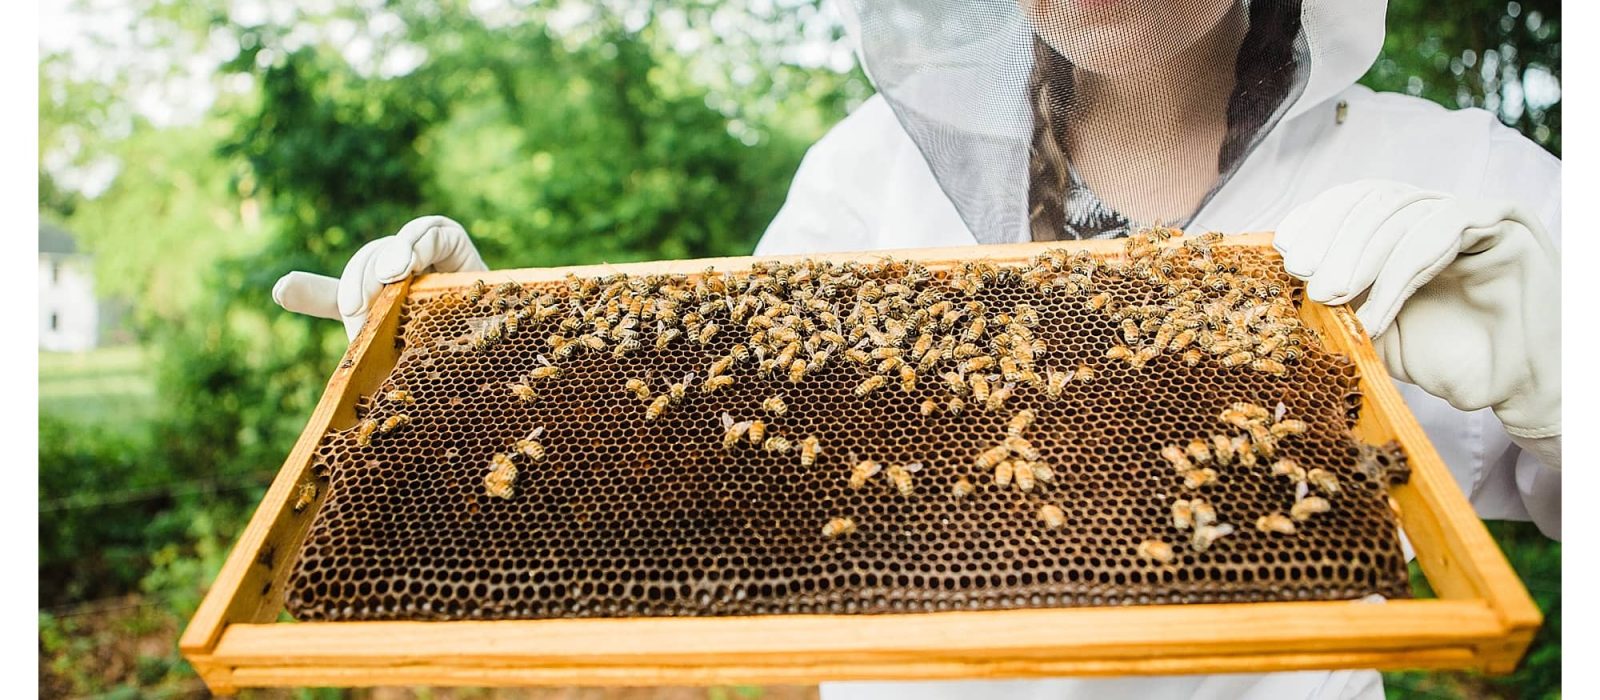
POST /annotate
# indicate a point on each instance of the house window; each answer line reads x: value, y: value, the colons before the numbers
x: 55, y: 321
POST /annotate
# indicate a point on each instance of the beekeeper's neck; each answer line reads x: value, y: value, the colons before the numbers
x: 1184, y: 95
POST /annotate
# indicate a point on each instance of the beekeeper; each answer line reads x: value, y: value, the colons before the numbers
x: 1000, y: 121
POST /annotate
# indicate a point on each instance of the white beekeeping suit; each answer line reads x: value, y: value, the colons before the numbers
x: 942, y: 156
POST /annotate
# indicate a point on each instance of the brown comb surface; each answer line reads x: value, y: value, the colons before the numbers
x: 630, y: 517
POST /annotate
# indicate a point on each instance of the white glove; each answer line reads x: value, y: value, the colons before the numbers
x: 1463, y: 297
x: 430, y: 243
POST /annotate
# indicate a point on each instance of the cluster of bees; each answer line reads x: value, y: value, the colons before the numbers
x: 896, y: 324
x: 1198, y: 463
x: 1207, y: 309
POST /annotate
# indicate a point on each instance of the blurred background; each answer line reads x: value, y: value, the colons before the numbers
x: 191, y: 151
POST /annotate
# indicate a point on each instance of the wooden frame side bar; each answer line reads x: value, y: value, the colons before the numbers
x: 249, y: 587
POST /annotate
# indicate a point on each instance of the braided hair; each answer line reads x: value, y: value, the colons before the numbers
x: 1263, y: 78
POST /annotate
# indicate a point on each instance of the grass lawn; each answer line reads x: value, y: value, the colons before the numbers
x: 108, y: 388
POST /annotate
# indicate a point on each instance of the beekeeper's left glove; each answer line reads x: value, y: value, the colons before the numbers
x: 429, y: 243
x: 1463, y: 298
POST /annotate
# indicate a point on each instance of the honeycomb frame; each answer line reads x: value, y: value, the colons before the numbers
x: 1482, y: 619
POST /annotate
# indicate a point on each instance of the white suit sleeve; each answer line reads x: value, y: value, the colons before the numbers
x: 833, y: 203
x: 1519, y: 478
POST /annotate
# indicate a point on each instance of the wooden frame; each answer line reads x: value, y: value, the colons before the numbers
x: 1482, y: 618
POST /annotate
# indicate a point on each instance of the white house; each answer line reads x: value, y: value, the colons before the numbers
x: 69, y: 316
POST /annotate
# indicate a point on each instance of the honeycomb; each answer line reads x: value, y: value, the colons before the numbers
x: 509, y: 467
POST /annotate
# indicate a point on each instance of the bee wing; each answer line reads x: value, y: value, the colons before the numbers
x: 914, y: 467
x: 482, y: 323
x: 727, y: 420
x: 689, y: 379
x: 1279, y: 412
x: 536, y: 432
x: 1300, y: 491
x: 545, y: 361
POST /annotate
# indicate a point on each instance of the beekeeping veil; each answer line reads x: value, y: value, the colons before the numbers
x: 999, y: 94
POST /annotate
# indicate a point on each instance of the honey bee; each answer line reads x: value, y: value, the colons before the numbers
x: 1288, y: 427
x: 364, y: 432
x: 546, y: 370
x: 1182, y: 514
x: 1177, y: 457
x: 1199, y: 452
x: 394, y: 422
x: 1267, y: 365
x: 1020, y: 422
x: 719, y: 367
x: 1196, y: 478
x: 1120, y: 352
x: 740, y: 352
x: 998, y: 397
x: 862, y: 471
x: 706, y: 333
x: 928, y: 407
x: 592, y: 341
x: 1242, y: 450
x: 980, y: 388
x: 1237, y: 359
x: 1022, y: 448
x: 665, y: 336
x: 1323, y: 479
x: 1261, y: 439
x: 524, y: 392
x: 975, y: 329
x: 1056, y: 382
x: 1098, y: 301
x: 901, y: 477
x: 838, y: 527
x: 400, y: 396
x: 1290, y: 469
x: 908, y: 379
x: 1157, y: 551
x: 676, y: 392
x: 715, y: 384
x: 1222, y: 449
x: 732, y: 432
x: 1192, y: 357
x: 1052, y: 517
x: 502, y: 477
x: 956, y: 406
x: 562, y: 346
x: 1130, y: 331
x: 657, y: 407
x: 1003, y: 472
x: 1309, y: 506
x: 1250, y: 410
x: 809, y: 449
x: 476, y: 291
x: 757, y: 432
x: 978, y: 364
x: 639, y: 388
x: 530, y: 446
x: 797, y: 371
x: 1207, y: 535
x: 305, y: 494
x: 871, y: 384
x: 956, y: 383
x: 1275, y: 522
x: 777, y: 444
x: 1022, y: 472
x: 961, y: 489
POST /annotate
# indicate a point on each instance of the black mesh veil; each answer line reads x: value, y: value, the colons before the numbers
x: 1062, y: 119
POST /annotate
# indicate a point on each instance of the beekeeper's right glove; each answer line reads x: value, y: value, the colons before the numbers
x: 426, y: 244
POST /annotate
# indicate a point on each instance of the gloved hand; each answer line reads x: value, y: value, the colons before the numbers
x: 429, y: 243
x: 1463, y: 298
